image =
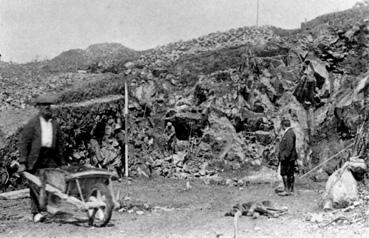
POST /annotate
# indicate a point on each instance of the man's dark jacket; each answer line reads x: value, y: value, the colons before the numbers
x: 30, y: 143
x: 287, y: 147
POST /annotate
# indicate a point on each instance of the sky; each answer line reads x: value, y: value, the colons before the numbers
x: 41, y: 29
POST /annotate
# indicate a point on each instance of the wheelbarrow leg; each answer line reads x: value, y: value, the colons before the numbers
x: 43, y: 196
x: 115, y: 198
x: 79, y: 190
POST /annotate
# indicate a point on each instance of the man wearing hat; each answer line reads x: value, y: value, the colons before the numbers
x: 287, y: 157
x: 170, y: 133
x: 40, y: 147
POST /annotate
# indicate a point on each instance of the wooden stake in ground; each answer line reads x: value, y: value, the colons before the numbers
x: 235, y: 223
x: 126, y: 128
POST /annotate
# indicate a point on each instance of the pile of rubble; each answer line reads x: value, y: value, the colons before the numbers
x: 96, y: 58
x: 165, y: 56
x: 22, y: 83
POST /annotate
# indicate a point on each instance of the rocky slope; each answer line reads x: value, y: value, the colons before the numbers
x: 244, y: 80
x: 225, y: 93
x: 22, y: 82
x: 95, y: 57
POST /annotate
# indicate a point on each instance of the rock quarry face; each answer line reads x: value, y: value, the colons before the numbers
x: 225, y: 93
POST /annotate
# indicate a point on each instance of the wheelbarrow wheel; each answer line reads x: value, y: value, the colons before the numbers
x: 99, y: 217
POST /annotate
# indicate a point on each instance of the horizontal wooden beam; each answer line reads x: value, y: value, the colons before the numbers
x: 12, y: 195
x: 91, y: 173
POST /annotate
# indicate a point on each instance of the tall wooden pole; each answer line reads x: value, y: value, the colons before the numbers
x: 257, y: 13
x: 126, y: 127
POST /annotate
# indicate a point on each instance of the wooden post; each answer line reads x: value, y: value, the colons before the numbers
x: 257, y: 13
x: 126, y: 127
x: 235, y: 223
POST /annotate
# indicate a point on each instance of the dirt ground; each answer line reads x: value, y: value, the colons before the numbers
x: 181, y: 212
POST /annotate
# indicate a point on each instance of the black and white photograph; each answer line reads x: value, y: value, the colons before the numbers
x: 184, y: 118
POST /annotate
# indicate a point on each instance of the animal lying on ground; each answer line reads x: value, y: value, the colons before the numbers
x: 255, y: 209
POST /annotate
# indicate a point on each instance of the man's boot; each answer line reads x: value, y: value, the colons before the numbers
x: 291, y: 183
x: 285, y: 182
x: 286, y: 187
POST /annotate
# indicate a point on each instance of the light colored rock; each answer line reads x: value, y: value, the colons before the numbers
x: 319, y: 67
x: 341, y: 189
x: 182, y: 145
x: 269, y: 89
x: 229, y: 182
x: 223, y: 134
x: 362, y: 84
x: 257, y: 228
x: 318, y: 116
x: 317, y: 218
x: 179, y: 157
x: 145, y: 91
x: 256, y: 163
x: 140, y: 212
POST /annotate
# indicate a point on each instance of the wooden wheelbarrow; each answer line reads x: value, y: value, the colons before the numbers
x: 90, y: 191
